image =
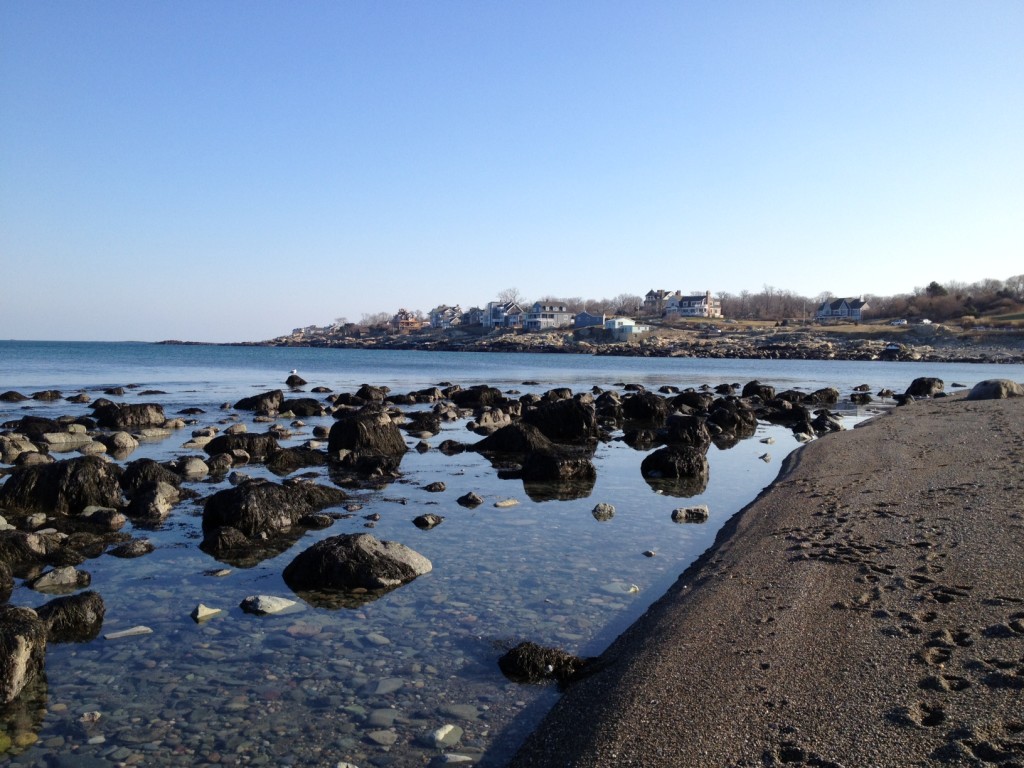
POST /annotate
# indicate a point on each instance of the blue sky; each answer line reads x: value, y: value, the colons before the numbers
x: 226, y: 171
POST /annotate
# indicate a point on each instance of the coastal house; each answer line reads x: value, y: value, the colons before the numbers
x: 405, y: 321
x: 473, y: 316
x: 696, y: 305
x: 503, y: 314
x: 844, y: 309
x: 588, y: 320
x: 544, y: 316
x: 624, y: 328
x: 444, y: 317
x: 656, y: 300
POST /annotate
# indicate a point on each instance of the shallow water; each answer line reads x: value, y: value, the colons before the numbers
x: 367, y: 686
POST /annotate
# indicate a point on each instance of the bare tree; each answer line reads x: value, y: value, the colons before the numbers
x: 511, y: 294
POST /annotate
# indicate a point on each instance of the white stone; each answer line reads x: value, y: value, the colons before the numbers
x: 266, y: 604
x: 504, y: 503
x: 202, y: 613
x: 132, y: 632
x: 446, y: 736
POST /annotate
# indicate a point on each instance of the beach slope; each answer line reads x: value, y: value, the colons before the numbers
x: 867, y: 609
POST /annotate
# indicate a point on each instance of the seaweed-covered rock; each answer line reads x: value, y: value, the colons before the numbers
x: 74, y: 618
x: 646, y: 407
x: 266, y: 403
x: 566, y: 421
x: 63, y: 487
x: 676, y: 470
x: 532, y: 663
x: 517, y: 438
x: 925, y: 386
x: 257, y: 446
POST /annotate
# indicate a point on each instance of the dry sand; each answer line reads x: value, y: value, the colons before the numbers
x: 867, y: 609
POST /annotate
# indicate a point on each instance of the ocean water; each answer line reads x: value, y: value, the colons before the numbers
x: 368, y: 686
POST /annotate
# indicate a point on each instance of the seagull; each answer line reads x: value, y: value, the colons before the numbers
x: 294, y: 371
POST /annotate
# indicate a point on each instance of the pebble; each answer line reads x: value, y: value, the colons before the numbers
x: 446, y: 736
x: 384, y: 738
x: 505, y: 503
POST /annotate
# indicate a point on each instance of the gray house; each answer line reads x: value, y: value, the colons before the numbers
x: 845, y: 309
x: 544, y: 316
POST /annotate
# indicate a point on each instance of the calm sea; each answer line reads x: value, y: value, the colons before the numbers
x: 368, y: 687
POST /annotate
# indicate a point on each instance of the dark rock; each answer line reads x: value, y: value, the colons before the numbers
x: 757, y: 389
x: 476, y: 397
x: 258, y: 446
x: 423, y: 421
x: 153, y: 502
x: 303, y: 407
x: 145, y: 473
x: 532, y: 663
x: 686, y: 430
x: 733, y: 418
x: 62, y: 488
x: 10, y: 396
x: 354, y: 561
x: 47, y: 395
x: 132, y: 549
x: 435, y: 487
x: 368, y: 441
x: 294, y: 380
x: 73, y: 619
x: 676, y: 470
x: 699, y: 401
x: 371, y: 394
x: 516, y: 438
x: 646, y: 407
x: 925, y: 386
x: 260, y: 508
x: 266, y: 403
x: 428, y: 521
x: 566, y: 421
x: 470, y: 500
x: 133, y: 416
x: 34, y: 427
x: 22, y: 650
x: 558, y: 467
x: 288, y: 460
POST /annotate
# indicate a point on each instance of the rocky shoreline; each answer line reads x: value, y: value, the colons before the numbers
x: 866, y: 609
x: 922, y: 343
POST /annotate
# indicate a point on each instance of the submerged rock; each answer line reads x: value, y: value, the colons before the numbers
x: 532, y: 663
x: 355, y: 561
x: 73, y: 619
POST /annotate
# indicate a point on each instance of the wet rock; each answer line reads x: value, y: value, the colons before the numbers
x: 266, y: 604
x: 518, y: 438
x: 153, y: 503
x: 995, y: 389
x: 676, y: 461
x: 129, y: 416
x: 288, y: 460
x: 558, y: 467
x: 258, y: 447
x: 10, y: 396
x: 294, y: 380
x: 366, y: 441
x: 435, y: 487
x: 757, y: 389
x: 566, y: 421
x: 696, y: 514
x: 260, y: 508
x: 145, y: 473
x: 354, y: 561
x: 13, y: 446
x: 266, y: 403
x: 603, y: 512
x: 132, y: 549
x: 476, y: 397
x: 428, y: 521
x: 682, y: 429
x: 119, y: 444
x: 924, y: 386
x: 303, y: 407
x: 645, y: 407
x: 734, y: 420
x: 63, y: 579
x: 470, y: 500
x: 423, y: 422
x: 22, y: 650
x: 73, y: 619
x: 532, y: 663
x: 62, y: 488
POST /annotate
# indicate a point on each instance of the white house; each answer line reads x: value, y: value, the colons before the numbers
x: 624, y: 328
x: 847, y: 309
x: 543, y: 316
x: 697, y: 305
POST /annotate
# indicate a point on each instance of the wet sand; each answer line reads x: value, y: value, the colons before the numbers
x: 867, y: 609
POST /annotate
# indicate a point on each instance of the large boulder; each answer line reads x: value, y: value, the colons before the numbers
x: 995, y: 389
x: 22, y: 650
x: 733, y: 418
x: 145, y: 473
x: 676, y: 470
x: 73, y: 619
x: 367, y: 440
x: 565, y: 421
x: 63, y: 487
x: 558, y: 467
x: 646, y: 407
x: 694, y: 400
x: 354, y: 562
x: 303, y: 407
x: 757, y: 389
x: 686, y: 430
x: 266, y: 403
x: 517, y: 438
x: 129, y: 416
x: 925, y: 386
x: 33, y: 427
x: 260, y: 508
x: 476, y: 397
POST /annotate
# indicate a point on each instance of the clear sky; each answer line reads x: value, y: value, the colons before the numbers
x: 227, y: 171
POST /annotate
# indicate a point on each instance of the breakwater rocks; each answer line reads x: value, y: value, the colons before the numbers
x: 924, y: 343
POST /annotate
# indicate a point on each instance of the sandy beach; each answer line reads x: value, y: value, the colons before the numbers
x: 867, y: 609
